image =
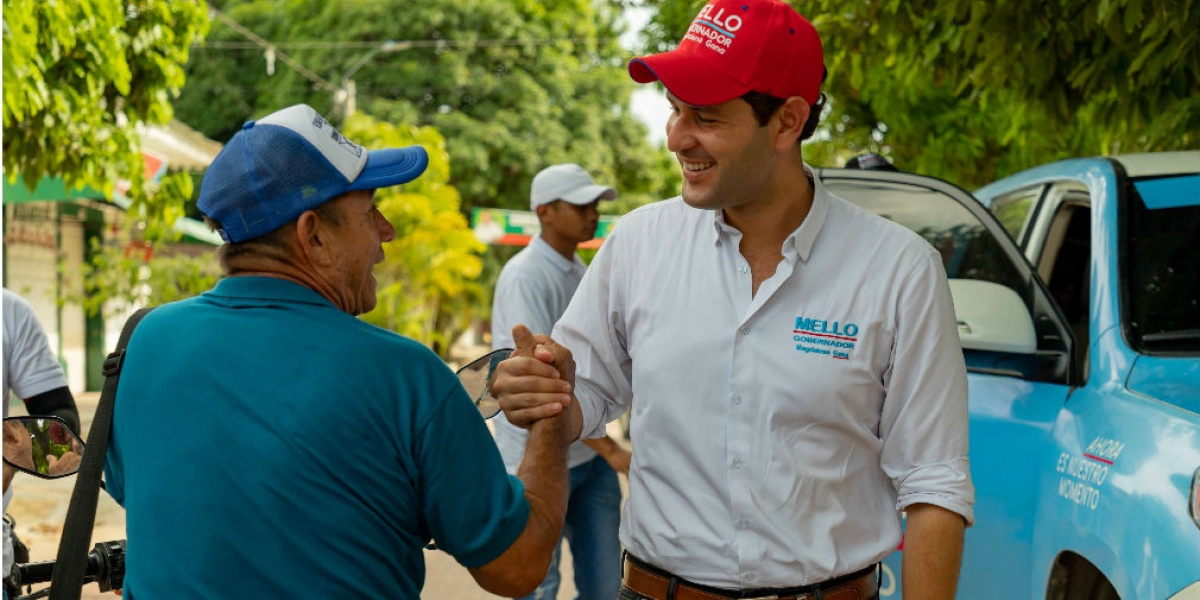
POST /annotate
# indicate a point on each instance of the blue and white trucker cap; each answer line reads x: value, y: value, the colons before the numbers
x: 291, y: 161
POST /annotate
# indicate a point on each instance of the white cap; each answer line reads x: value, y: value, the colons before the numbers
x: 569, y: 183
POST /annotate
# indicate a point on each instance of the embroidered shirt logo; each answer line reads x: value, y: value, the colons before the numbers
x: 821, y: 336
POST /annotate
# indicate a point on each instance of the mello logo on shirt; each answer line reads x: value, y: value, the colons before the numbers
x: 822, y: 336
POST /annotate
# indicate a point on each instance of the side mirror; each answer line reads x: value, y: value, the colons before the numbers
x: 476, y: 378
x: 992, y: 317
x: 42, y: 446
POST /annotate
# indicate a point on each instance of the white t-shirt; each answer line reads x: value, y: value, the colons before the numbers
x: 535, y: 286
x: 778, y: 434
x: 30, y: 368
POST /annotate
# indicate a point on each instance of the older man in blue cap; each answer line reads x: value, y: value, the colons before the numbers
x: 268, y: 444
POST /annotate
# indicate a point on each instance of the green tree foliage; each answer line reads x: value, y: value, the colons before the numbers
x: 513, y: 85
x: 971, y: 91
x: 124, y: 274
x: 429, y: 278
x: 80, y: 77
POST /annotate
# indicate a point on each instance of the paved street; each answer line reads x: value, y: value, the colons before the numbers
x: 40, y: 507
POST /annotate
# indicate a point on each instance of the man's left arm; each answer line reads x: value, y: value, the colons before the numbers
x: 933, y: 545
x: 924, y: 426
x: 613, y: 453
x: 34, y: 373
x: 58, y: 402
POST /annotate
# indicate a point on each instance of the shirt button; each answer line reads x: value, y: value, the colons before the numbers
x: 744, y: 524
x: 745, y: 330
x: 750, y: 577
x: 742, y: 269
x: 737, y: 463
x: 737, y: 398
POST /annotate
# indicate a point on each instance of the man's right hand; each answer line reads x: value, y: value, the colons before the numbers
x: 533, y: 386
x: 536, y: 381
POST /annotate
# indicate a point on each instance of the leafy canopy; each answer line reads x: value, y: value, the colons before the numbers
x: 513, y: 86
x: 80, y: 77
x: 971, y: 91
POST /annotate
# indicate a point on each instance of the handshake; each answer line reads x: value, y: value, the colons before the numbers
x: 537, y: 382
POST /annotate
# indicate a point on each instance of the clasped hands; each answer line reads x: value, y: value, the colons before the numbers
x: 536, y: 381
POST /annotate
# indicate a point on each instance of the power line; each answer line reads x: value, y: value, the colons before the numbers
x: 272, y: 52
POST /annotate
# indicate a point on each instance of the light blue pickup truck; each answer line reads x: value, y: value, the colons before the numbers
x: 1077, y: 292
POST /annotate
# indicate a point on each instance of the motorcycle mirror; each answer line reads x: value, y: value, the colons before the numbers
x: 42, y: 446
x: 476, y: 378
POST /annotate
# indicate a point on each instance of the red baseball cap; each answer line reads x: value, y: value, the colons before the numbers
x: 737, y: 46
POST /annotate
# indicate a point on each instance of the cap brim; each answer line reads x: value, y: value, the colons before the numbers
x: 391, y: 166
x: 589, y: 194
x: 687, y: 77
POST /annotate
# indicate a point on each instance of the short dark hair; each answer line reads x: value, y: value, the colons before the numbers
x: 275, y: 244
x: 765, y: 105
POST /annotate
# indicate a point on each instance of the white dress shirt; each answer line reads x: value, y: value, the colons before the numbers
x: 535, y: 286
x: 778, y: 435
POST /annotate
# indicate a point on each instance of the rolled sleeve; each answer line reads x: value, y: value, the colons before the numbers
x: 919, y: 487
x: 925, y: 419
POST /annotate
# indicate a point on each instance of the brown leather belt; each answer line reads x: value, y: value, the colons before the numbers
x: 657, y: 584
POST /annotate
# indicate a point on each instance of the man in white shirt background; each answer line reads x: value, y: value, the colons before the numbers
x: 534, y: 289
x: 791, y: 361
x: 33, y: 373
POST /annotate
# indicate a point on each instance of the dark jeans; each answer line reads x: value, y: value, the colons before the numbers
x: 593, y: 519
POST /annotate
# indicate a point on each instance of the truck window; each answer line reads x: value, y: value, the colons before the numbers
x: 1161, y: 272
x: 1014, y: 211
x: 968, y: 249
x: 1066, y: 266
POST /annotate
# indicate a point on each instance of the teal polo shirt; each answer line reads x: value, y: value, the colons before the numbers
x: 267, y: 445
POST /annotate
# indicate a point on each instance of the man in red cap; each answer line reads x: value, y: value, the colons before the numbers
x: 792, y: 361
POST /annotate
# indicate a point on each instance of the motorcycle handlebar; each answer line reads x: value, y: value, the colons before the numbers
x: 30, y: 573
x: 105, y: 565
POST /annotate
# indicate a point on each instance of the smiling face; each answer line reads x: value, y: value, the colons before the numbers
x: 725, y: 154
x: 358, y: 231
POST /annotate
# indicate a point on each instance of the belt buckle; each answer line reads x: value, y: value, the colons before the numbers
x: 767, y: 597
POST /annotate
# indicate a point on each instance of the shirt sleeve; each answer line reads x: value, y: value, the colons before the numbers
x: 30, y: 365
x: 593, y: 328
x: 474, y: 508
x: 520, y: 299
x: 925, y: 419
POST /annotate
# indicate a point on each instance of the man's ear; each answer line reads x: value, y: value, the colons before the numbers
x: 312, y: 238
x: 788, y: 122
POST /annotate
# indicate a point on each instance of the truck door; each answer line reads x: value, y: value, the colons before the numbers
x: 1013, y: 398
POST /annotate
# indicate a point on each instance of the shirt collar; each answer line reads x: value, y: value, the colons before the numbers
x: 253, y: 287
x: 804, y: 236
x: 560, y: 262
